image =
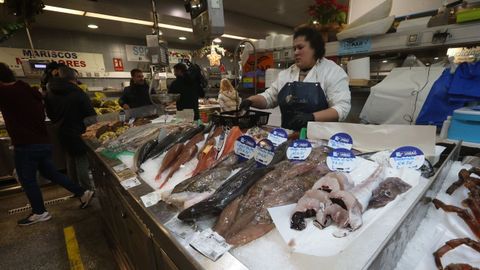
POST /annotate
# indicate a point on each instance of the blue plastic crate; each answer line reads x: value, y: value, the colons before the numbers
x: 465, y: 125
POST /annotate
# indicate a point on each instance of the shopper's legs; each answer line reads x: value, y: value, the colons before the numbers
x: 71, y: 168
x: 26, y: 165
x: 82, y: 171
x: 47, y: 169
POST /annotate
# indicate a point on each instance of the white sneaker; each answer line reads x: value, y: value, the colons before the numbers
x: 34, y: 218
x: 86, y: 198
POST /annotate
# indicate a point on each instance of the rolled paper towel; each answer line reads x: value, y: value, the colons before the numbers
x: 359, y: 69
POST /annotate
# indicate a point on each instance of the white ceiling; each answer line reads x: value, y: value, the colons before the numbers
x: 248, y: 18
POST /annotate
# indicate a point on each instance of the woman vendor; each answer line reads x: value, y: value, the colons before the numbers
x: 313, y: 89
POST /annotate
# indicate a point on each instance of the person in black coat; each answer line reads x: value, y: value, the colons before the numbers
x: 67, y: 106
x: 184, y: 85
x: 135, y: 95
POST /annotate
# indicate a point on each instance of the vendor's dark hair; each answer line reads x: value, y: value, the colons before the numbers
x: 6, y: 74
x: 180, y: 66
x: 313, y: 36
x: 135, y: 71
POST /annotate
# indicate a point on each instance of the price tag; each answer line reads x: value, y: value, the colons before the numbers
x: 150, y: 199
x: 352, y: 46
x: 245, y: 147
x: 407, y: 157
x: 210, y: 244
x: 120, y: 167
x: 299, y: 150
x: 129, y: 183
x: 341, y: 140
x: 264, y: 152
x: 278, y: 136
x: 341, y: 160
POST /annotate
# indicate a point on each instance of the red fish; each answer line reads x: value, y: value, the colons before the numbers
x: 187, y: 154
x: 169, y: 158
x: 234, y: 134
x: 206, y: 158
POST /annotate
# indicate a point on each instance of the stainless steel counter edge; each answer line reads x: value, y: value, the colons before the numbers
x: 387, y: 256
x: 156, y: 216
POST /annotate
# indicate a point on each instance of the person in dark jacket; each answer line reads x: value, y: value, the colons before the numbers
x: 135, y: 95
x: 184, y: 86
x: 67, y: 106
x: 24, y: 115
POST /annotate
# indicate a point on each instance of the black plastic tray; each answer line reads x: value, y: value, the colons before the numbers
x: 250, y: 119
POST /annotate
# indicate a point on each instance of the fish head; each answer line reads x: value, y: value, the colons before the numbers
x: 387, y: 192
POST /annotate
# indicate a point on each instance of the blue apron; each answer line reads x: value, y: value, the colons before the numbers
x: 306, y: 97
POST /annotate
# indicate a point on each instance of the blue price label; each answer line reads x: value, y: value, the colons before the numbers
x: 341, y: 140
x: 245, y: 147
x: 299, y: 150
x: 341, y: 160
x: 278, y: 136
x: 264, y: 152
x: 407, y: 157
x: 352, y: 46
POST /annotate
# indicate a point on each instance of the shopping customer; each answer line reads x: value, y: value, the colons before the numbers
x: 136, y: 95
x: 184, y: 86
x: 24, y: 116
x: 67, y: 106
x: 228, y: 97
x: 313, y: 89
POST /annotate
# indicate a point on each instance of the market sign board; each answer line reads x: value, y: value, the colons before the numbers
x: 83, y: 62
x: 464, y: 54
x: 137, y: 53
x: 353, y: 46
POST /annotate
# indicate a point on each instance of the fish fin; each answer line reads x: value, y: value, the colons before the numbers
x: 250, y: 233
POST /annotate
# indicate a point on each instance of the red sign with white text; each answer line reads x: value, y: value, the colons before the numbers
x: 117, y: 64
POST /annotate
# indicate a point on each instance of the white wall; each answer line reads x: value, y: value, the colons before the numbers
x: 399, y: 7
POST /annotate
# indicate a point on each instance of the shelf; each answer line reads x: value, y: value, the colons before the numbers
x: 461, y: 35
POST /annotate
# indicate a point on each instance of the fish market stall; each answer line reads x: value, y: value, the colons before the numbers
x: 184, y: 196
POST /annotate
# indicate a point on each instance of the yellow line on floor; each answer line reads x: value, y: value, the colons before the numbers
x: 72, y: 249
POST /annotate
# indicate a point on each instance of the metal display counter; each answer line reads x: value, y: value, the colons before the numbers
x: 144, y: 242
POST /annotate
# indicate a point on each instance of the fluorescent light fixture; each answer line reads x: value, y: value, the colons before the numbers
x: 385, y: 61
x: 1, y: 1
x: 182, y: 38
x: 117, y: 18
x: 435, y: 58
x: 92, y: 26
x: 217, y: 40
x: 64, y: 10
x: 237, y: 37
x: 174, y: 27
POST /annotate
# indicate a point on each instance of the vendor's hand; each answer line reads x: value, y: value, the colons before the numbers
x: 245, y: 105
x: 300, y: 120
x: 126, y: 107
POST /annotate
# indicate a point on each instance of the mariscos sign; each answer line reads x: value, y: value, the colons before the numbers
x: 86, y: 62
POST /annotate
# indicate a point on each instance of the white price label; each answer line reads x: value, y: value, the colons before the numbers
x: 210, y: 244
x: 407, y: 157
x: 278, y: 136
x: 129, y: 183
x: 264, y: 152
x: 299, y: 150
x: 120, y: 167
x: 341, y: 140
x: 150, y: 199
x: 341, y: 160
x: 245, y: 147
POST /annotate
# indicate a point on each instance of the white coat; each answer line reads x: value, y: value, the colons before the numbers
x: 332, y: 78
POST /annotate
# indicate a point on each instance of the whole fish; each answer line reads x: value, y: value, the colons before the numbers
x: 387, y: 191
x: 162, y: 144
x: 142, y: 152
x: 215, y: 132
x: 232, y: 188
x: 206, y: 158
x: 232, y: 137
x: 185, y: 156
x: 169, y: 158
